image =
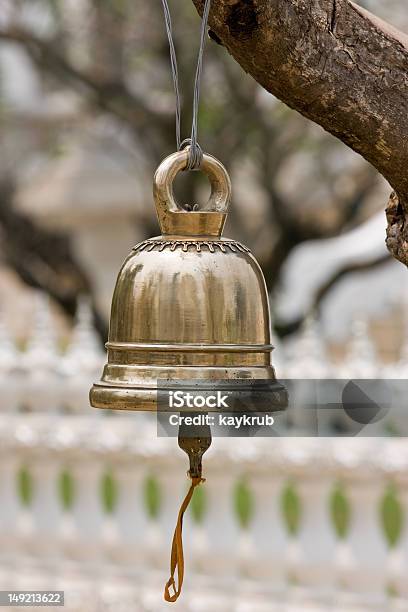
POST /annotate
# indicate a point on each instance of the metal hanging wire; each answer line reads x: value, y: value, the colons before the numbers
x: 195, y: 152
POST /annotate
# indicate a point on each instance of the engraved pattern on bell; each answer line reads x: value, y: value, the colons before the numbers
x: 188, y: 304
x: 160, y: 245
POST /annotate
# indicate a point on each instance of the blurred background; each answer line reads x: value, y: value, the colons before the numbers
x: 88, y: 501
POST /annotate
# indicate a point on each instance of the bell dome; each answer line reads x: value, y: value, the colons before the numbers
x: 190, y: 291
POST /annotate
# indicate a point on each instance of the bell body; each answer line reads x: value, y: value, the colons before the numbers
x: 190, y: 306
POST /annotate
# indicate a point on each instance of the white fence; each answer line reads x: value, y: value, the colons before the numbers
x: 88, y: 503
x: 260, y: 554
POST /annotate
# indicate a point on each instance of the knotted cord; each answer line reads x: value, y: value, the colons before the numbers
x: 177, y: 554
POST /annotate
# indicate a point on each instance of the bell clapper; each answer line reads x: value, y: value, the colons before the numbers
x: 194, y: 440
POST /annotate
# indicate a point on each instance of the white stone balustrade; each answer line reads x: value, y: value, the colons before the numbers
x: 260, y: 562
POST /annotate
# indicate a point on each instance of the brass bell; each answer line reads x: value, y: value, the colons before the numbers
x: 189, y: 307
x: 188, y: 304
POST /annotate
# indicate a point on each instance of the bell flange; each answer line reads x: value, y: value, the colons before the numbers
x: 188, y: 305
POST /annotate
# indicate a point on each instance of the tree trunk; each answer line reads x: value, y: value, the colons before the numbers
x: 338, y: 65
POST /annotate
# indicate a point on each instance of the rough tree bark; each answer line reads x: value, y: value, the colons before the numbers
x: 338, y: 65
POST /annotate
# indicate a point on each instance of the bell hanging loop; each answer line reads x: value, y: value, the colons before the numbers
x: 210, y: 219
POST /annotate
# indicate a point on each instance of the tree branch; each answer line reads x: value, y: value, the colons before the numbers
x: 44, y: 259
x: 338, y: 65
x: 284, y: 329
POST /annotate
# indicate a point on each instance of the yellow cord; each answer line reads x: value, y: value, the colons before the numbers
x: 177, y: 555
